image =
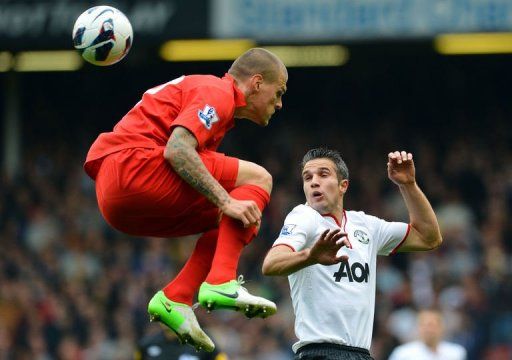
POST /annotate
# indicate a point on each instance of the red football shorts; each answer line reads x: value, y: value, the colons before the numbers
x: 139, y: 193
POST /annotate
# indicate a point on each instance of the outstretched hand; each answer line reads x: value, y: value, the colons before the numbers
x: 401, y: 168
x: 325, y: 249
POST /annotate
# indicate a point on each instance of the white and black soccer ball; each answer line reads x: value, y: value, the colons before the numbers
x: 103, y: 35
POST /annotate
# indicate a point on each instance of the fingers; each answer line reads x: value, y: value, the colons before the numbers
x: 252, y: 214
x: 341, y: 258
x: 336, y: 237
x: 344, y: 242
x: 248, y: 223
x: 324, y: 235
x: 244, y: 210
x: 331, y: 236
x: 399, y: 157
x: 326, y: 248
x: 256, y: 223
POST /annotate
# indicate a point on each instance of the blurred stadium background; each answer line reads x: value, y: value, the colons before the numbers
x: 365, y: 77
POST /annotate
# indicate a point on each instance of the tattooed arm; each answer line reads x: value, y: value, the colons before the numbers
x: 181, y: 153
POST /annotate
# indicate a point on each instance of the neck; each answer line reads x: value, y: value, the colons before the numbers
x: 242, y: 112
x: 337, y: 214
x: 432, y: 345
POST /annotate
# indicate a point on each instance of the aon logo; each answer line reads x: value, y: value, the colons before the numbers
x: 355, y: 272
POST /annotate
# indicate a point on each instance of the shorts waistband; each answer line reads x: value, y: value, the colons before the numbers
x: 332, y: 346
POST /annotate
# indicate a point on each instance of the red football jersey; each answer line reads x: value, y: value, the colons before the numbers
x: 204, y: 104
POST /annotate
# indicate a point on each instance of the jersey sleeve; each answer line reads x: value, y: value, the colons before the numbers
x: 297, y: 228
x: 389, y: 235
x: 205, y: 111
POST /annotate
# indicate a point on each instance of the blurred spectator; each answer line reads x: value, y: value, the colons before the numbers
x: 430, y: 345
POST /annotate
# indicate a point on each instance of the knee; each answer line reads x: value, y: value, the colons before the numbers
x: 265, y: 179
x: 256, y: 175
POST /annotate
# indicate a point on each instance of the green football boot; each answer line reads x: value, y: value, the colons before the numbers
x: 232, y: 295
x: 181, y: 319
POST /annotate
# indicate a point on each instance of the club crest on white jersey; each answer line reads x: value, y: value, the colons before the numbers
x: 208, y: 116
x: 361, y: 236
x: 287, y: 229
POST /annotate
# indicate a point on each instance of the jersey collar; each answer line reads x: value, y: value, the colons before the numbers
x: 343, y: 219
x: 239, y: 95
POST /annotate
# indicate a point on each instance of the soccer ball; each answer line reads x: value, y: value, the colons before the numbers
x: 103, y: 35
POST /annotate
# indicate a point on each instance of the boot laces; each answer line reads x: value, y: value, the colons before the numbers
x: 241, y: 281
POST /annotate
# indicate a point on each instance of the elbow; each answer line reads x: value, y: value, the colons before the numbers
x: 266, y: 269
x: 168, y: 153
x: 438, y: 242
x: 435, y: 241
x: 429, y: 237
x: 177, y: 151
x: 274, y: 271
x: 173, y: 152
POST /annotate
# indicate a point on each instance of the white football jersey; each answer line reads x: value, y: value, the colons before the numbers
x: 336, y: 303
x: 419, y: 351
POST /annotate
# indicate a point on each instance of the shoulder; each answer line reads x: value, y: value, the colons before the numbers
x: 305, y: 211
x: 210, y: 82
x: 201, y: 79
x: 303, y: 217
x: 361, y: 217
x: 353, y: 214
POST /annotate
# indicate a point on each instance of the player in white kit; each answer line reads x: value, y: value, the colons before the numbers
x: 430, y: 345
x: 330, y: 255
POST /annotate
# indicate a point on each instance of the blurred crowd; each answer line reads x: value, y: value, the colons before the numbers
x: 72, y: 288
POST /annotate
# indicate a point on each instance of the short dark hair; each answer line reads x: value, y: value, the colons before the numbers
x: 333, y: 155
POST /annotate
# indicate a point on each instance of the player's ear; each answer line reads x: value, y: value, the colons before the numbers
x: 256, y: 81
x: 343, y: 186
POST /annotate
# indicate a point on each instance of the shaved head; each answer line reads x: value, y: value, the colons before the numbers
x: 257, y: 61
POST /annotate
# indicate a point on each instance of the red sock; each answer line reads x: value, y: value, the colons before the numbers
x: 185, y: 285
x: 233, y: 236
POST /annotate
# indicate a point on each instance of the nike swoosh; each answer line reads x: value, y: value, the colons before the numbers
x: 232, y: 296
x: 167, y: 306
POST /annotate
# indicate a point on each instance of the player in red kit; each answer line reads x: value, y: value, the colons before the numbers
x: 158, y: 174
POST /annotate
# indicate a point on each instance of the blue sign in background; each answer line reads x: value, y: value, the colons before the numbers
x: 356, y: 19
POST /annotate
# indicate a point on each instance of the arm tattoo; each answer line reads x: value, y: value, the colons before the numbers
x: 188, y: 165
